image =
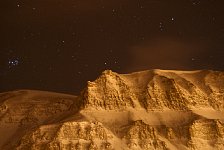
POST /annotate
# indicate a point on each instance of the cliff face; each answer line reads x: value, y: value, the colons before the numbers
x: 156, y: 90
x: 153, y: 109
x: 109, y: 92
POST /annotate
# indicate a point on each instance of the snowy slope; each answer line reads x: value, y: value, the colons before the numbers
x: 153, y: 109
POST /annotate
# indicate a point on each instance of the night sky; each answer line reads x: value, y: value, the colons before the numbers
x: 58, y: 45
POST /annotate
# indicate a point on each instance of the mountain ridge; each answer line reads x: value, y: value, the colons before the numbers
x: 152, y: 109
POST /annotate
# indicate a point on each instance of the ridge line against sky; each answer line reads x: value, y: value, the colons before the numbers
x: 60, y: 45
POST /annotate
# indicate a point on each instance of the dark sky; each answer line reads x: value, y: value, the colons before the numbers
x: 58, y: 45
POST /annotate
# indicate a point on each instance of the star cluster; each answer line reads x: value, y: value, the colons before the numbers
x: 59, y: 45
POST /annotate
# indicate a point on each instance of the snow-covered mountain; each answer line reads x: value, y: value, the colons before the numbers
x: 153, y: 109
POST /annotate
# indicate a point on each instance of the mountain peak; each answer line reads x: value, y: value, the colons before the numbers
x: 155, y: 89
x: 108, y: 72
x: 152, y: 109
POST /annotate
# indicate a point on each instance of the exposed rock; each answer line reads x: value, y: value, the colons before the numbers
x: 149, y: 110
x: 144, y: 136
x: 80, y: 135
x: 109, y: 92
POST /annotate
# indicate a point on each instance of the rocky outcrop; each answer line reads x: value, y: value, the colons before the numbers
x: 108, y: 92
x: 149, y: 110
x: 21, y: 111
x: 28, y: 107
x: 69, y: 135
x: 206, y: 132
x: 156, y: 90
x: 143, y: 136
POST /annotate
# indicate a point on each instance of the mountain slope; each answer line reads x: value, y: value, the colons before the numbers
x: 156, y: 90
x: 154, y: 109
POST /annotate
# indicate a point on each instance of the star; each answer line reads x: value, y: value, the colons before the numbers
x: 13, y: 62
x: 161, y: 26
x: 116, y: 35
x: 196, y: 2
x: 114, y: 12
